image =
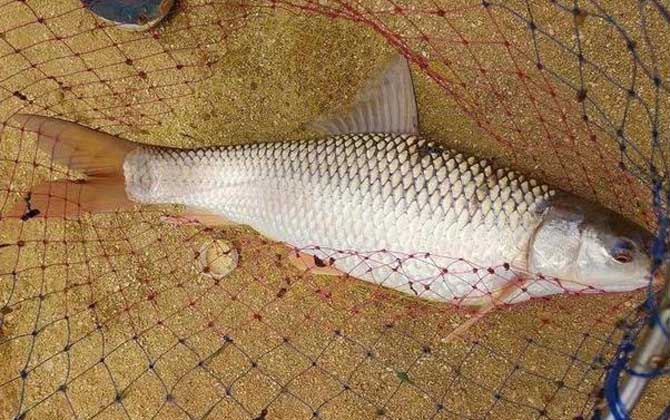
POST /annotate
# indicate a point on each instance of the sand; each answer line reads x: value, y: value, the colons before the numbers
x: 108, y: 315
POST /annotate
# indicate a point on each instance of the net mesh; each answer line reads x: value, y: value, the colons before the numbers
x: 112, y: 316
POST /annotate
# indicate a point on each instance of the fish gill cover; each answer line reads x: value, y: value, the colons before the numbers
x: 111, y: 316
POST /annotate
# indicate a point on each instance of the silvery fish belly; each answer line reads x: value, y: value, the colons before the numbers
x: 405, y: 213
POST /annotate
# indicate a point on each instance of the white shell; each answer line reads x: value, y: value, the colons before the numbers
x: 217, y: 258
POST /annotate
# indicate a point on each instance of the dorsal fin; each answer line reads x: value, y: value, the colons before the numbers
x: 386, y: 104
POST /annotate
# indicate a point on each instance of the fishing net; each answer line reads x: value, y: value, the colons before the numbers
x: 121, y: 315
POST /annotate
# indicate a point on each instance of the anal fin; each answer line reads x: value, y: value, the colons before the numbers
x: 197, y: 216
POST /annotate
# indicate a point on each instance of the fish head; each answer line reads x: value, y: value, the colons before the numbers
x: 590, y: 248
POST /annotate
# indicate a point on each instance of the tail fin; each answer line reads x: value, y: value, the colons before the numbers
x: 98, y: 155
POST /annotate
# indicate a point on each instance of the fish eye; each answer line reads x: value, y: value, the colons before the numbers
x: 623, y: 258
x: 622, y: 252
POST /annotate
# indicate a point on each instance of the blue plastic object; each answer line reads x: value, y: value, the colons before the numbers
x: 130, y: 14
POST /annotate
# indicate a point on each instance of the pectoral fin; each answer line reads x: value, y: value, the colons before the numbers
x: 483, y: 305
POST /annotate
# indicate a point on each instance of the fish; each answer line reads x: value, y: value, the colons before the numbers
x: 371, y: 197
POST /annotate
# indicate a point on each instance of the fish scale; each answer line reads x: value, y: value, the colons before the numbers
x: 361, y: 193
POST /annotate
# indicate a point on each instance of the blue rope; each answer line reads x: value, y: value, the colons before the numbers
x: 611, y: 390
x: 659, y: 252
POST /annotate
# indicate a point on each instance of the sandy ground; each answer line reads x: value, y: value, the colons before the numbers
x: 107, y: 316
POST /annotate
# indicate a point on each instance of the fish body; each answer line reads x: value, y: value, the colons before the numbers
x: 362, y: 193
x: 392, y: 207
